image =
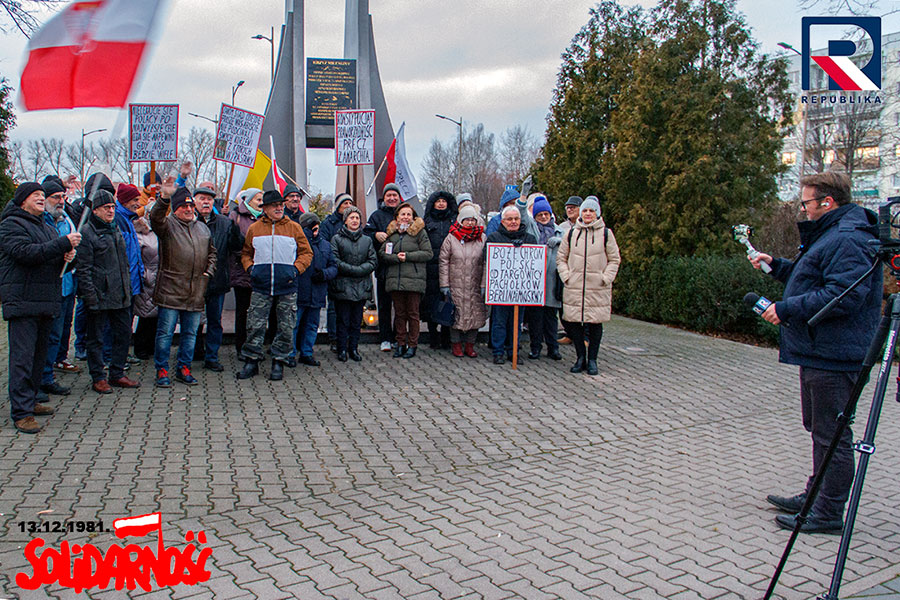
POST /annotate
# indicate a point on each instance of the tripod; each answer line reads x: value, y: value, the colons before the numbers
x: 886, y: 338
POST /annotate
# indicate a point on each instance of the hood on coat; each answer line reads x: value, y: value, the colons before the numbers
x: 414, y: 228
x: 102, y: 182
x: 449, y: 213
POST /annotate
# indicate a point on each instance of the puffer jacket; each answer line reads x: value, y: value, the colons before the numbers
x: 243, y: 219
x: 437, y: 225
x: 104, y: 279
x: 275, y: 254
x: 587, y: 270
x: 354, y: 254
x: 143, y: 302
x: 124, y: 221
x: 835, y: 252
x: 31, y: 259
x: 409, y: 275
x: 379, y: 221
x: 187, y: 260
x: 312, y: 285
x: 227, y: 239
x: 461, y: 267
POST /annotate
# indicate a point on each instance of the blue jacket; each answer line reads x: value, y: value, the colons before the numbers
x: 132, y: 247
x: 64, y: 227
x: 834, y: 253
x: 312, y: 285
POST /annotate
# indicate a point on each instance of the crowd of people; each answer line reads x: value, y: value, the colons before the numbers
x: 169, y: 256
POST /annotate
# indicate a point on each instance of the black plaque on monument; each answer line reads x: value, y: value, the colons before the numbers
x: 330, y: 86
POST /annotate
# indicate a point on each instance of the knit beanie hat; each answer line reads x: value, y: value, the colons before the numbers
x: 541, y: 205
x: 126, y: 193
x: 466, y: 212
x: 158, y: 179
x: 24, y: 190
x: 309, y: 220
x: 590, y: 203
x: 574, y: 201
x: 102, y: 198
x: 389, y: 187
x: 292, y: 189
x: 341, y: 198
x: 348, y: 211
x: 181, y: 197
x: 52, y: 186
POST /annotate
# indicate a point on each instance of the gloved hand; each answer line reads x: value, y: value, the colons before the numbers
x: 446, y: 292
x: 318, y: 276
x: 518, y: 242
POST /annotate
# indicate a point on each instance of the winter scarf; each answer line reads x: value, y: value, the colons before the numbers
x: 466, y: 234
x: 546, y: 231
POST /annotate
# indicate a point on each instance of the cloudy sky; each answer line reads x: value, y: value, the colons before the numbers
x: 488, y: 61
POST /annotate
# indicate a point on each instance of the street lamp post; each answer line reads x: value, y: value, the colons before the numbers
x: 787, y: 46
x: 84, y: 134
x: 271, y: 40
x: 235, y: 89
x: 215, y: 162
x: 458, y: 149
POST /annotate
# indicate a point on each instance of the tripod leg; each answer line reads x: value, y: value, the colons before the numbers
x: 890, y: 322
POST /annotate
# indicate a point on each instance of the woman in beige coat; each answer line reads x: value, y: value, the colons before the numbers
x: 587, y: 262
x: 461, y: 276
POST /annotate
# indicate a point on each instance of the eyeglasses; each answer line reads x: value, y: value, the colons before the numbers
x: 803, y: 203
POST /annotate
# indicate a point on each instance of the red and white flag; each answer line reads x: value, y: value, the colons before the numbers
x: 277, y: 175
x: 137, y: 526
x: 88, y: 54
x: 398, y: 170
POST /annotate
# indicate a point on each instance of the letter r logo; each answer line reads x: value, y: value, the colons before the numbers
x: 843, y: 73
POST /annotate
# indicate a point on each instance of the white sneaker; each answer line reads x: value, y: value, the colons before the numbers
x: 385, y: 346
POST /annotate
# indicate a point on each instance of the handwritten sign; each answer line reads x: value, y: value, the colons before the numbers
x: 515, y: 275
x: 237, y: 136
x: 354, y: 135
x: 153, y: 132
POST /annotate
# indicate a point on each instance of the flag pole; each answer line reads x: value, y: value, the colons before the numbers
x: 228, y: 188
x: 377, y: 173
x: 515, y: 341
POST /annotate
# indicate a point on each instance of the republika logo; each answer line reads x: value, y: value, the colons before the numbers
x: 843, y: 73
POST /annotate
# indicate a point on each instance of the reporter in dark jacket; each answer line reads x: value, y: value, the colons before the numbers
x: 440, y: 214
x: 32, y: 255
x: 404, y: 254
x: 354, y: 254
x: 312, y: 289
x: 104, y: 284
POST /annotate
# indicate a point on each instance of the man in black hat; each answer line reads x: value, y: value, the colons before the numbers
x: 275, y: 253
x: 187, y: 262
x: 31, y: 258
x: 104, y: 284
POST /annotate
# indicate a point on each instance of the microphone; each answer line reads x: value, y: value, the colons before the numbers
x: 758, y: 303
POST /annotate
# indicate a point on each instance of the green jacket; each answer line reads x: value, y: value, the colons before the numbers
x: 409, y: 275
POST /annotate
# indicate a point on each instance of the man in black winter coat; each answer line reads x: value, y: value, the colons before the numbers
x: 227, y: 239
x: 376, y: 229
x: 104, y: 285
x: 31, y: 259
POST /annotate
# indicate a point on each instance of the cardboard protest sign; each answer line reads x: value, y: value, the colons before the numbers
x: 515, y: 275
x: 152, y: 132
x: 237, y: 136
x: 354, y: 137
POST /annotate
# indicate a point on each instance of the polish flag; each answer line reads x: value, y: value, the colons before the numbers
x: 277, y: 175
x: 137, y: 526
x: 88, y: 54
x: 397, y: 170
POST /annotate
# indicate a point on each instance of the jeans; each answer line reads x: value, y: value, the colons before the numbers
x: 823, y: 395
x: 214, y: 305
x: 165, y: 330
x: 118, y: 323
x: 54, y: 341
x: 306, y: 330
x: 349, y: 321
x: 27, y: 353
x: 502, y: 330
x: 80, y: 314
x: 258, y: 321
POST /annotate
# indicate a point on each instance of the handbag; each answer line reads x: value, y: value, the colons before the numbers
x: 444, y: 312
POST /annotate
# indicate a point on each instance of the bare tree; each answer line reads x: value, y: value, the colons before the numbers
x: 17, y: 160
x: 842, y: 7
x: 440, y: 169
x: 480, y: 169
x: 54, y: 149
x: 197, y: 147
x: 519, y: 148
x: 34, y: 160
x: 20, y: 13
x: 114, y: 154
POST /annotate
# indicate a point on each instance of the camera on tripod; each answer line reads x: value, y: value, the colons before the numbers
x: 888, y: 247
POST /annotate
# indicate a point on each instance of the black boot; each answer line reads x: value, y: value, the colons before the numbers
x: 354, y: 355
x: 411, y: 352
x: 342, y: 355
x: 399, y: 351
x: 277, y: 373
x: 591, y: 367
x: 250, y: 369
x: 578, y: 367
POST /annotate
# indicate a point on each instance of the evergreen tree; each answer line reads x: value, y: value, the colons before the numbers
x: 7, y: 121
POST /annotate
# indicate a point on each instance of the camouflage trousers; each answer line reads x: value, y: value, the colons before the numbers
x: 258, y: 320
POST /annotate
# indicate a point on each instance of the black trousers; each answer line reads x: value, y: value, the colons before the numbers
x: 145, y: 337
x: 542, y: 328
x: 385, y: 325
x: 579, y: 332
x: 348, y: 320
x: 96, y: 321
x: 28, y: 338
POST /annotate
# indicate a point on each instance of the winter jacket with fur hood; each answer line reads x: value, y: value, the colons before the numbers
x: 409, y: 275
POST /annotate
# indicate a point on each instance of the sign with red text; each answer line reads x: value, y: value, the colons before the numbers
x: 516, y: 274
x: 354, y: 137
x: 237, y: 136
x: 152, y: 132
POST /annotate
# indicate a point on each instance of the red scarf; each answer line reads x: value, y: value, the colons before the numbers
x: 466, y: 234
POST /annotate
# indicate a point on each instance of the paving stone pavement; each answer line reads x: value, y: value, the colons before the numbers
x: 440, y: 477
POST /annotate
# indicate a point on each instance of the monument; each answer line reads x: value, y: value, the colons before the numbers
x: 306, y: 92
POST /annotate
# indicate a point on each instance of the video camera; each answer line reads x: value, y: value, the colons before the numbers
x: 887, y: 246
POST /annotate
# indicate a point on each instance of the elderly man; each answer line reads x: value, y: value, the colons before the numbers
x: 187, y: 262
x: 55, y: 215
x: 226, y: 238
x: 31, y: 258
x: 275, y: 253
x: 573, y: 206
x: 376, y: 229
x: 292, y: 198
x: 104, y: 284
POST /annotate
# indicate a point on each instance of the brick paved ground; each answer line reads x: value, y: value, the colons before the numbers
x: 454, y: 478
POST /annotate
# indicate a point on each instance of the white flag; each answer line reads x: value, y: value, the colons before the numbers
x: 398, y: 170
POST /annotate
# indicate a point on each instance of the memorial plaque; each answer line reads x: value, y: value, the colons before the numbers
x: 330, y: 86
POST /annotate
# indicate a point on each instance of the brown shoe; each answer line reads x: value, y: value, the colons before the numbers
x: 124, y: 382
x: 42, y: 410
x: 564, y: 340
x: 102, y: 387
x: 27, y: 425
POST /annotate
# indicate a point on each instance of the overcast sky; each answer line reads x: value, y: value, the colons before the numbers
x: 487, y: 61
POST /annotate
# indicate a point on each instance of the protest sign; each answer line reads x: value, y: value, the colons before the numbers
x: 153, y: 132
x: 515, y: 275
x: 354, y: 137
x: 237, y: 136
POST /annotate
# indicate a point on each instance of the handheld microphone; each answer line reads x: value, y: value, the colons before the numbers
x: 758, y: 303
